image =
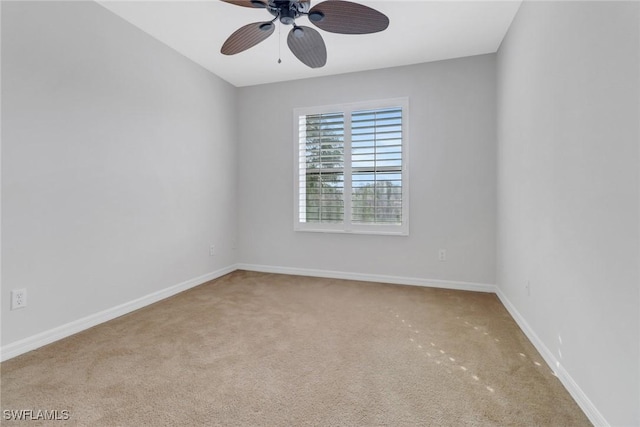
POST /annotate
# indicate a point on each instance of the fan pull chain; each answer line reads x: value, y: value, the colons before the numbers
x: 279, y: 44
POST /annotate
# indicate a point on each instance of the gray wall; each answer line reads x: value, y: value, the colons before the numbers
x: 568, y: 94
x: 117, y: 165
x: 452, y: 174
x: 122, y: 162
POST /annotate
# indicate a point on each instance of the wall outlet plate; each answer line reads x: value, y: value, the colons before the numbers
x: 18, y: 299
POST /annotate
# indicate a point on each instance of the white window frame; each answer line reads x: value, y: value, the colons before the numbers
x: 347, y: 226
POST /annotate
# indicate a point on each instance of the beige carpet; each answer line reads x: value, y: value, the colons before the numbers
x: 255, y: 349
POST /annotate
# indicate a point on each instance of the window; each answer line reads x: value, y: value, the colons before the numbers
x: 351, y: 168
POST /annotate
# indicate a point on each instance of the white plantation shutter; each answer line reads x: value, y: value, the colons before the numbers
x: 351, y: 168
x: 321, y: 171
x: 376, y: 159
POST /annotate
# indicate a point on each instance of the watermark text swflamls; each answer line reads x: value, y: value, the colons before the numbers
x: 35, y: 415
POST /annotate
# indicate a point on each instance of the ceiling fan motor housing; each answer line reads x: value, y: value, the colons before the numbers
x: 287, y: 11
x: 287, y: 15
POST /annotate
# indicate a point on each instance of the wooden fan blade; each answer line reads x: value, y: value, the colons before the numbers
x: 307, y: 45
x: 345, y: 17
x: 248, y: 3
x: 246, y: 37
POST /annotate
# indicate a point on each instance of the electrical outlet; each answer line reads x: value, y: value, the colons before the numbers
x: 18, y: 299
x: 212, y: 250
x: 442, y: 255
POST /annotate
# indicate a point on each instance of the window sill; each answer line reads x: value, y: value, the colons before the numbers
x: 358, y: 231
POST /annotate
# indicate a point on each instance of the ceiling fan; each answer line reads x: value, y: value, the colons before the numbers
x: 335, y: 16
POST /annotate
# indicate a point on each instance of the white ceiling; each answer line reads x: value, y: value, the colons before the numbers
x: 419, y: 31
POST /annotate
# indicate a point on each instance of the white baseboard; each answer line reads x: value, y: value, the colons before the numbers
x: 572, y: 387
x: 47, y: 337
x: 397, y: 280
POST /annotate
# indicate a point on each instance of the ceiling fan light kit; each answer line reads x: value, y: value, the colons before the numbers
x: 335, y: 16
